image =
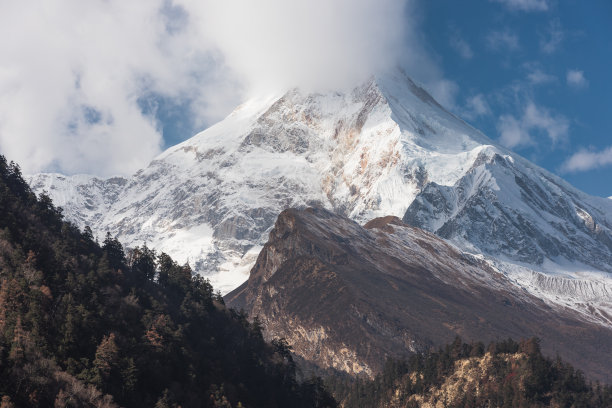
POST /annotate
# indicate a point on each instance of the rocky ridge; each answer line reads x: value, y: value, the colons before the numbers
x: 346, y: 296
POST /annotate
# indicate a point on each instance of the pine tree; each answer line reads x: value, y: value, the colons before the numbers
x: 17, y: 352
x: 3, y: 305
x: 106, y: 356
x: 158, y: 331
x: 142, y: 260
x: 114, y: 251
x: 129, y: 376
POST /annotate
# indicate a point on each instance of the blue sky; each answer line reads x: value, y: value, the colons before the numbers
x: 535, y: 75
x: 103, y: 87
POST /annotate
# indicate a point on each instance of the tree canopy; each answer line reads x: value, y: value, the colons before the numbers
x: 88, y: 324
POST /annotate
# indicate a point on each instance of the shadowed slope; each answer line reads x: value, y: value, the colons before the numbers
x: 346, y: 296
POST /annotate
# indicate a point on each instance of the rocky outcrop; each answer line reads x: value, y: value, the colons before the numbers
x: 84, y: 199
x: 347, y: 296
x: 503, y: 208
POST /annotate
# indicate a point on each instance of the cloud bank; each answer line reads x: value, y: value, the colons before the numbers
x: 476, y: 106
x: 536, y: 75
x: 316, y: 43
x: 551, y: 41
x: 584, y: 160
x: 80, y: 81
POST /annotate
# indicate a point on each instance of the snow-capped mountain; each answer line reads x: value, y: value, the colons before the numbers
x: 85, y: 199
x: 385, y: 148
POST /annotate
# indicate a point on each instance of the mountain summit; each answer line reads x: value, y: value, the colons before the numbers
x: 384, y: 148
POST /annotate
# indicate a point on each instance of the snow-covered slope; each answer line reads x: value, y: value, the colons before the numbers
x: 85, y: 199
x: 385, y: 148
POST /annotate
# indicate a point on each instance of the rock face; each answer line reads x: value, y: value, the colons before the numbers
x: 84, y: 199
x: 347, y: 296
x: 384, y: 148
x: 540, y: 216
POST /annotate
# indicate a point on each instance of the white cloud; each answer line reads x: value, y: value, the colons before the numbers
x: 551, y: 41
x: 316, y: 43
x: 525, y: 5
x: 539, y: 77
x: 556, y: 127
x: 516, y: 132
x: 505, y: 39
x: 460, y: 45
x: 512, y: 132
x: 71, y: 77
x: 576, y: 79
x: 444, y: 91
x: 73, y: 73
x: 476, y: 106
x: 584, y: 160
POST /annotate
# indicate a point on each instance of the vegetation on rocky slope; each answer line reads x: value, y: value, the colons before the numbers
x: 83, y: 324
x: 505, y: 374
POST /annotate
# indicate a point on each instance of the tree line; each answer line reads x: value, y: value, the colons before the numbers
x: 506, y: 374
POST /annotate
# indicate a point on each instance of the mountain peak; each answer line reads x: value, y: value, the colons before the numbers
x: 384, y: 148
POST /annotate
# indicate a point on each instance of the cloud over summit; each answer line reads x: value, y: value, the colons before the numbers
x: 74, y: 74
x: 314, y: 43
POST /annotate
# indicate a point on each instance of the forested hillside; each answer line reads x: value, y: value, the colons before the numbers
x: 83, y: 324
x: 505, y: 374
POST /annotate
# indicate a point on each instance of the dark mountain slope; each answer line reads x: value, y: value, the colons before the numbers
x: 347, y: 296
x: 81, y: 325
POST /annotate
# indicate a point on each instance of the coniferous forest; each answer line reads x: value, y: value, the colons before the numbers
x: 84, y: 323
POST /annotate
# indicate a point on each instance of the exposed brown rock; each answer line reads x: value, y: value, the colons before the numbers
x: 347, y: 296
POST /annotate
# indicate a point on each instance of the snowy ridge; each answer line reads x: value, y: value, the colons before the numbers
x: 84, y: 198
x: 385, y: 148
x: 540, y: 217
